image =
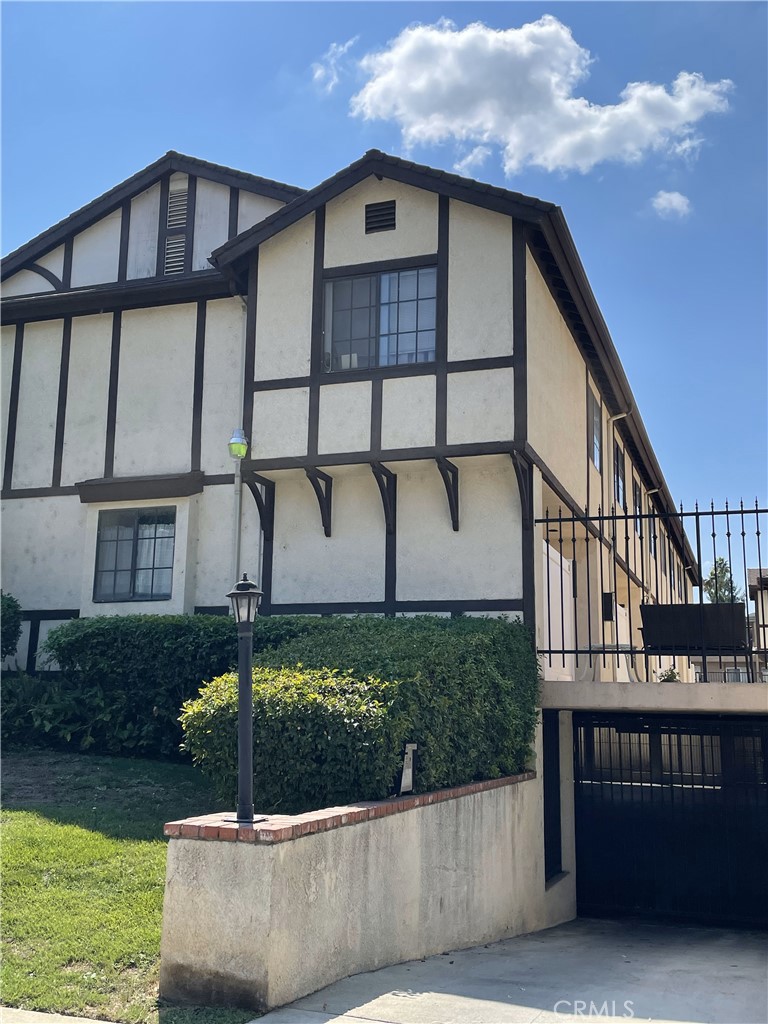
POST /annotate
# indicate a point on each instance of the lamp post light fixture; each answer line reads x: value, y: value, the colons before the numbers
x: 245, y: 597
x: 238, y: 444
x: 238, y: 449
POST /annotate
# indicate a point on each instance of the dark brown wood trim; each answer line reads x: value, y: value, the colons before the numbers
x: 133, y: 294
x: 218, y: 479
x: 234, y: 211
x: 34, y: 618
x: 137, y: 488
x: 162, y: 224
x: 454, y: 451
x: 441, y: 332
x: 44, y: 273
x: 251, y: 314
x: 377, y: 387
x: 14, y: 493
x: 520, y: 330
x: 114, y: 371
x: 66, y: 271
x: 197, y: 389
x: 316, y: 355
x: 503, y: 604
x: 189, y: 246
x: 379, y: 373
x: 13, y: 407
x: 125, y: 229
x: 382, y: 266
x: 61, y: 405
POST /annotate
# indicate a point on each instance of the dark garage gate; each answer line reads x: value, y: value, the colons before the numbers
x: 672, y: 816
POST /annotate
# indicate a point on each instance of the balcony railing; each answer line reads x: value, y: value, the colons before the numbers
x: 654, y: 596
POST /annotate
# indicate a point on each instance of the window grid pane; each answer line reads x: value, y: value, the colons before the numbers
x: 380, y: 320
x: 134, y: 555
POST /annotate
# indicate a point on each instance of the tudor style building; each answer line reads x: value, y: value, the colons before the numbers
x: 419, y: 364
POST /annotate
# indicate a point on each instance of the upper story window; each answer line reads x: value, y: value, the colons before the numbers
x: 637, y: 506
x: 385, y: 319
x: 664, y: 554
x: 619, y: 476
x: 595, y: 430
x: 134, y: 554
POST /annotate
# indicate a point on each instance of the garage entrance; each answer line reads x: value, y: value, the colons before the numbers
x: 672, y: 816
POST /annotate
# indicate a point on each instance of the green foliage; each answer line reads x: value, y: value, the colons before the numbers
x: 465, y: 690
x: 321, y: 737
x: 719, y: 586
x: 10, y: 624
x: 124, y: 678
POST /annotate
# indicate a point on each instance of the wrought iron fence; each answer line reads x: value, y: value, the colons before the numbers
x: 655, y: 595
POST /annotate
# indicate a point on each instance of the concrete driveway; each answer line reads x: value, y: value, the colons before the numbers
x: 607, y: 971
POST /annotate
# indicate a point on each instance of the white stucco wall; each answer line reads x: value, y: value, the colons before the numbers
x: 345, y: 417
x: 427, y: 880
x: 43, y: 551
x: 556, y: 388
x: 280, y: 423
x: 222, y: 391
x: 7, y: 343
x: 480, y: 283
x: 96, y: 252
x: 252, y: 208
x: 142, y: 234
x: 214, y: 572
x: 284, y: 303
x: 348, y: 565
x: 346, y: 242
x: 154, y: 396
x: 481, y: 560
x: 211, y: 221
x: 26, y: 282
x: 481, y: 406
x: 184, y: 561
x: 38, y: 398
x: 408, y: 412
x: 53, y: 261
x: 85, y: 423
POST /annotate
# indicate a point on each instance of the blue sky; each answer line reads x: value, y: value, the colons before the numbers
x: 664, y: 186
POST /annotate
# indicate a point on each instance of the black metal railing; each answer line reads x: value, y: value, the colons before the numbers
x: 655, y: 595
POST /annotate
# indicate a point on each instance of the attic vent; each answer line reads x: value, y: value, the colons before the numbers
x: 380, y: 216
x: 177, y: 209
x: 174, y: 254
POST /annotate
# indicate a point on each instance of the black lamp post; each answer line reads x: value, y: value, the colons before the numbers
x: 245, y: 597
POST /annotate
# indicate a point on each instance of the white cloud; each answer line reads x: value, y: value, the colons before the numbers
x: 671, y: 205
x: 326, y: 72
x: 473, y: 161
x: 515, y: 88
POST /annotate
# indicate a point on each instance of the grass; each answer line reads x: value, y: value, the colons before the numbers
x: 83, y: 876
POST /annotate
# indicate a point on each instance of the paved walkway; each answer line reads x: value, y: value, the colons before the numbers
x: 606, y: 971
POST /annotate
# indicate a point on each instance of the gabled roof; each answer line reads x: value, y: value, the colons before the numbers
x: 386, y: 166
x: 111, y: 200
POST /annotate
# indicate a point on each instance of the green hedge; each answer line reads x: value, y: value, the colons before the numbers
x: 10, y: 624
x: 124, y: 678
x: 465, y: 690
x: 321, y: 737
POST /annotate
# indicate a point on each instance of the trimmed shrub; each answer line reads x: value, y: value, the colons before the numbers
x: 321, y: 737
x: 124, y: 678
x: 10, y: 624
x: 464, y: 690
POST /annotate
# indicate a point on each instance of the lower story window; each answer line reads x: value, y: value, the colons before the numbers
x: 134, y: 554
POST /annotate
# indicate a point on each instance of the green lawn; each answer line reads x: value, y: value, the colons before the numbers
x: 83, y: 871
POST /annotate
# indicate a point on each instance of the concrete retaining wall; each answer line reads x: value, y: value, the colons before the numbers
x: 259, y: 917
